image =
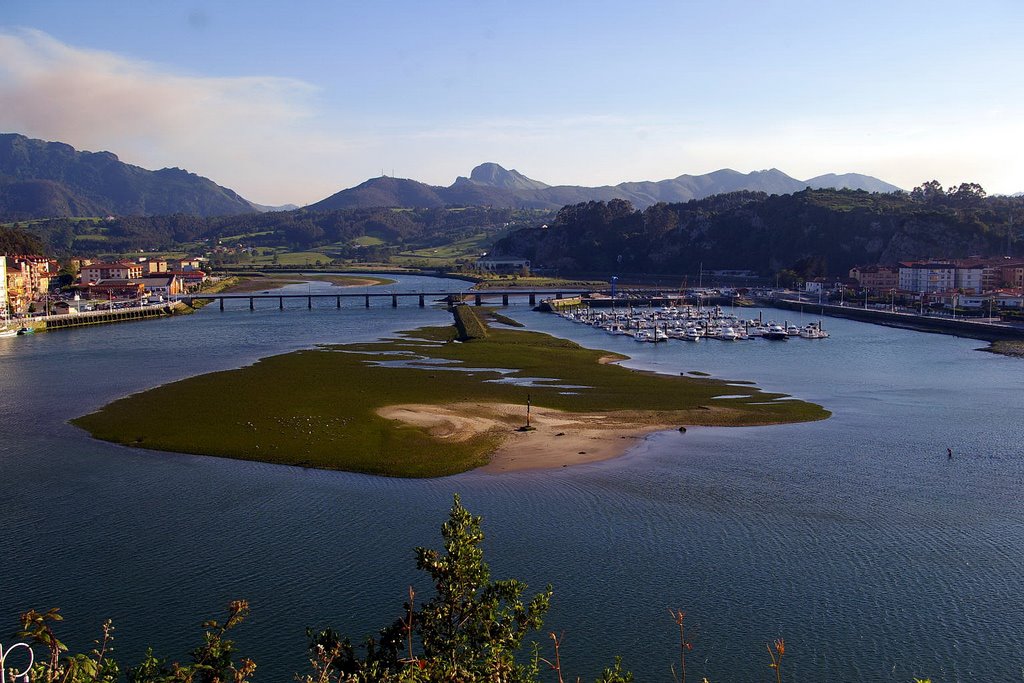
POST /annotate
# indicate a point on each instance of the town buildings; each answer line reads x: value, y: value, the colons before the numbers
x: 876, y: 278
x: 122, y: 270
x: 26, y: 279
x: 971, y: 276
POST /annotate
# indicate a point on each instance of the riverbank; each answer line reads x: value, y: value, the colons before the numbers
x: 243, y: 284
x: 424, y: 405
x: 1014, y: 349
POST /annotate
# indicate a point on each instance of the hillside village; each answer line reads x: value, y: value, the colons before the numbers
x: 34, y: 284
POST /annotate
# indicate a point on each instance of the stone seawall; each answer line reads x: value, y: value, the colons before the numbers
x: 57, y: 322
x: 922, y: 323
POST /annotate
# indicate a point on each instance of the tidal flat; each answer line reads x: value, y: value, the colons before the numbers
x: 424, y: 404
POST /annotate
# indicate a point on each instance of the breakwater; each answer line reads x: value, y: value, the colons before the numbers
x: 961, y: 327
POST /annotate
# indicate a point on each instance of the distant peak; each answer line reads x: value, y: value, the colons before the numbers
x: 494, y: 175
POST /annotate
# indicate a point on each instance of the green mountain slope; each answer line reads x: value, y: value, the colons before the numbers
x: 40, y: 179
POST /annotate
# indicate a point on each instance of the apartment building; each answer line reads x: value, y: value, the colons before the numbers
x: 94, y: 272
x: 876, y: 278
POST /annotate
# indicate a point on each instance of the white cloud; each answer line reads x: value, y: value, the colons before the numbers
x: 273, y: 141
x: 237, y: 131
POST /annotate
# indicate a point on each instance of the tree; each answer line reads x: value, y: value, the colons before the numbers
x: 968, y: 194
x: 930, y: 192
x: 212, y: 662
x: 473, y: 626
x: 470, y: 630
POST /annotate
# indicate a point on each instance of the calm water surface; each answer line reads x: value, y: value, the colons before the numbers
x: 854, y: 538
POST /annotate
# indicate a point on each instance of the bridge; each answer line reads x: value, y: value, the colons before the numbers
x: 478, y: 296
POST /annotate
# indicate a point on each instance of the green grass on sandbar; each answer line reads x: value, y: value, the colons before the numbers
x: 316, y: 408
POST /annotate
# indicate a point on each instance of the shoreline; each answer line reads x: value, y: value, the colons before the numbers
x: 255, y: 283
x: 556, y: 439
x: 415, y: 417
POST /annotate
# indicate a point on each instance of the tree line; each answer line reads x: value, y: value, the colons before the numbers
x: 812, y: 232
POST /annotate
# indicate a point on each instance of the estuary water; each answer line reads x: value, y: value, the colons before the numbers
x: 856, y: 539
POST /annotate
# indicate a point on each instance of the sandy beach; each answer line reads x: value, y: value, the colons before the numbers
x: 558, y: 438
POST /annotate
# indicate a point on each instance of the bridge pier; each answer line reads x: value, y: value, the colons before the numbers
x: 252, y: 304
x: 367, y: 300
x: 339, y: 303
x: 533, y: 299
x: 222, y: 304
x: 504, y: 299
x: 394, y: 301
x: 280, y: 303
x: 478, y: 300
x: 422, y: 302
x: 309, y: 303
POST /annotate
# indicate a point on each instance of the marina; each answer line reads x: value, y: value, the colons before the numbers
x: 688, y: 323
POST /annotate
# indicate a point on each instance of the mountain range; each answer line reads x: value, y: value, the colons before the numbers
x: 491, y: 185
x: 40, y: 179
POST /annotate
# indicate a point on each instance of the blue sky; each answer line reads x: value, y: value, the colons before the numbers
x: 290, y: 102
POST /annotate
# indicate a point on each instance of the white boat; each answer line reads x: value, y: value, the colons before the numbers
x: 7, y: 328
x: 692, y: 334
x: 776, y: 332
x: 727, y: 334
x: 813, y: 331
x: 792, y: 330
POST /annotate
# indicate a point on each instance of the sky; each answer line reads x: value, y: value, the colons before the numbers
x: 289, y: 102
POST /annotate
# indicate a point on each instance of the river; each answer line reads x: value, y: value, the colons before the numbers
x: 855, y: 538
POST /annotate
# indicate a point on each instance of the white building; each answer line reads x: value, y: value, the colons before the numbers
x: 997, y: 301
x: 94, y: 272
x: 970, y: 278
x: 815, y: 286
x: 496, y: 265
x: 928, y: 276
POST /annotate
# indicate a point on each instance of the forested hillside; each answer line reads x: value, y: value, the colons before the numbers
x: 815, y: 232
x: 299, y: 229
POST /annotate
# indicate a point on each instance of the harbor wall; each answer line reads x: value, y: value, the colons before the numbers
x: 57, y: 322
x: 923, y: 323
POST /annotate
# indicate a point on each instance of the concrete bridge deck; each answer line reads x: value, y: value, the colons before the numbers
x: 477, y: 296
